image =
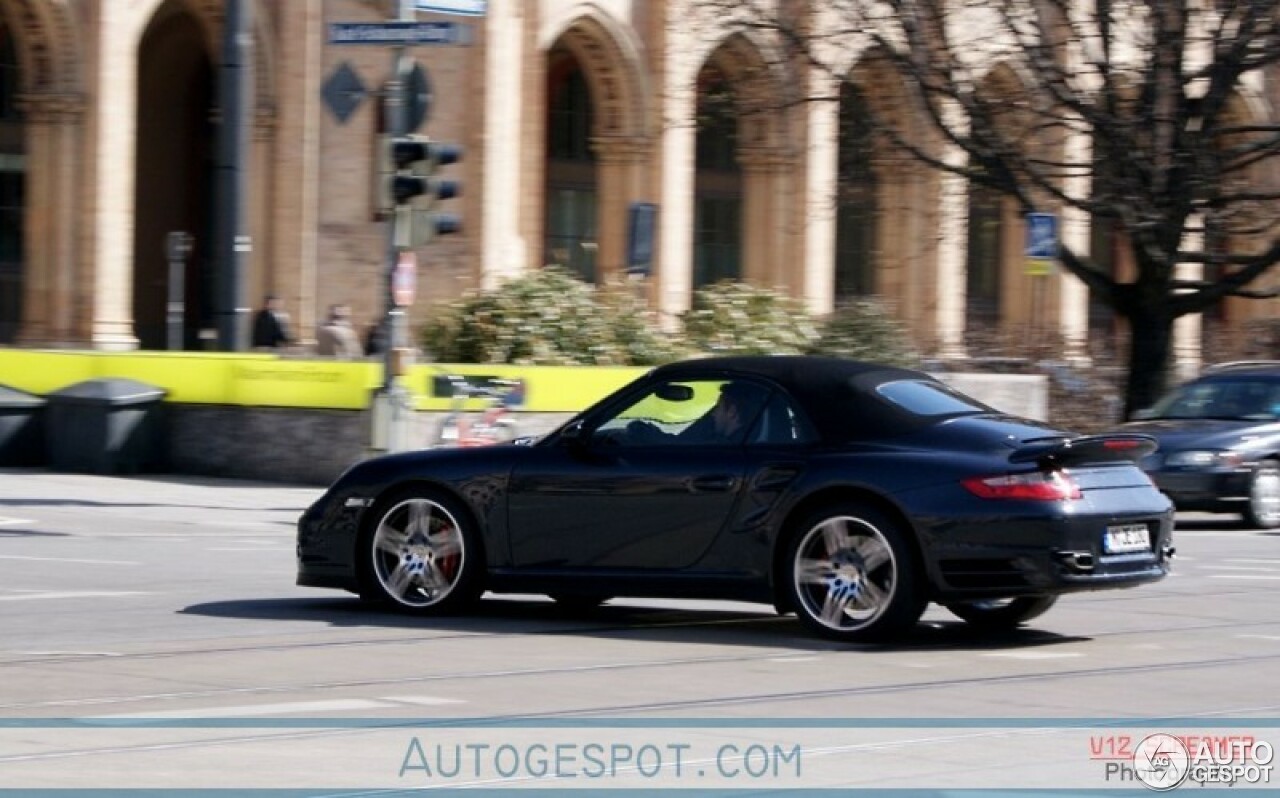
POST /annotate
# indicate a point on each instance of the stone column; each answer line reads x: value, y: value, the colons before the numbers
x: 819, y: 222
x: 288, y: 173
x: 762, y: 206
x: 953, y: 241
x: 674, y: 275
x: 51, y: 209
x: 1074, y: 298
x: 619, y: 178
x: 1187, y: 330
x: 110, y: 217
x: 40, y: 187
x: 502, y: 247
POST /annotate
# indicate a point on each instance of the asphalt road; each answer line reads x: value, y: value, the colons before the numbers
x: 151, y: 636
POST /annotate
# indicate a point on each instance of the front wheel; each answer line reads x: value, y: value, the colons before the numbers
x: 851, y: 575
x: 1263, y: 509
x: 998, y: 614
x: 423, y: 554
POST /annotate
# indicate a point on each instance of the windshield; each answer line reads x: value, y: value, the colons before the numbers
x: 1245, y: 399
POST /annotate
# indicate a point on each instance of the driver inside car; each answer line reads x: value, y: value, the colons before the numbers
x: 724, y: 423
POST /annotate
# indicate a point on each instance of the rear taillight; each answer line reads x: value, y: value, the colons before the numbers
x: 1035, y: 486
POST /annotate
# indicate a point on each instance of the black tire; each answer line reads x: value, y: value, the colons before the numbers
x: 850, y: 574
x: 434, y: 573
x: 1263, y: 509
x: 571, y: 602
x: 1001, y: 614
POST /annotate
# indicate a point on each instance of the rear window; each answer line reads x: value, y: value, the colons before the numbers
x: 928, y: 398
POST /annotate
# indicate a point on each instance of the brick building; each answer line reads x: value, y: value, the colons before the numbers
x: 569, y: 112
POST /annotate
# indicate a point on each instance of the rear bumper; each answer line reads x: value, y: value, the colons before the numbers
x: 1051, y: 556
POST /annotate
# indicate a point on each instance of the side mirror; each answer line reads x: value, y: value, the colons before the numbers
x: 573, y: 434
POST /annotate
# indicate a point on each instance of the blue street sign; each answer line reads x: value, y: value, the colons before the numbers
x: 1042, y: 236
x: 399, y: 33
x: 465, y: 8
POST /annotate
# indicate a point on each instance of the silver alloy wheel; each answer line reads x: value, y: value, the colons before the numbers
x: 845, y: 573
x: 418, y: 553
x: 1264, y: 496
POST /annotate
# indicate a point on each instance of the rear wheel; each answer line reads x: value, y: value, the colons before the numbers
x: 423, y: 554
x: 997, y: 614
x: 851, y: 575
x: 1263, y: 509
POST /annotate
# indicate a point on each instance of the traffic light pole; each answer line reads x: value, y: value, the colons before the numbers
x: 232, y: 221
x: 391, y: 402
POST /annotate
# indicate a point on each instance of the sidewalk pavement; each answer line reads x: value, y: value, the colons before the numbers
x: 29, y: 487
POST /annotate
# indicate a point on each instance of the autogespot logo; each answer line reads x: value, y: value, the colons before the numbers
x: 1161, y: 761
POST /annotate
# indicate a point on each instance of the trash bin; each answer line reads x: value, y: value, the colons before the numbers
x: 106, y: 426
x: 21, y: 438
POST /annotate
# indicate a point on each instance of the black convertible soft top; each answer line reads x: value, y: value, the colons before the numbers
x: 837, y: 395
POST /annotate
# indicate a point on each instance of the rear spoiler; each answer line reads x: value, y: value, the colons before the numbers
x: 1063, y: 452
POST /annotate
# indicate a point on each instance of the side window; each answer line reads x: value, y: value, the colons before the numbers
x: 779, y: 424
x: 686, y: 413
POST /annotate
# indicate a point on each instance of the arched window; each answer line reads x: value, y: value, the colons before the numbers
x: 571, y: 176
x: 985, y: 259
x: 8, y: 76
x: 856, y: 207
x: 717, y: 237
x: 12, y: 168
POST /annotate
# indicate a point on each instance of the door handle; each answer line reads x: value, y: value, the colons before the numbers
x: 713, y: 484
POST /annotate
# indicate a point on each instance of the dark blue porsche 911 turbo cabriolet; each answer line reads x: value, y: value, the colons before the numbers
x: 850, y: 493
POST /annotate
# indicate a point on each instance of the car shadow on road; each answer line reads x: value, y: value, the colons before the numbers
x: 631, y: 621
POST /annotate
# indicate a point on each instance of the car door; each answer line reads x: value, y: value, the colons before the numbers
x: 629, y: 491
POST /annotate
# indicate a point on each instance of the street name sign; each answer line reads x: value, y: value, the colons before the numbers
x: 1042, y: 243
x: 399, y: 33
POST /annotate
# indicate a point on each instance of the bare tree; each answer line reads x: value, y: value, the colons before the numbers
x: 1173, y: 166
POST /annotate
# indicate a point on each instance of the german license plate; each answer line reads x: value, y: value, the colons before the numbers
x: 1126, y: 538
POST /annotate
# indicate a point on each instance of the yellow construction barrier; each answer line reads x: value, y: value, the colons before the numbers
x: 270, y: 380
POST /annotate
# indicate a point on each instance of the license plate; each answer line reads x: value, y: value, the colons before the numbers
x: 1126, y: 538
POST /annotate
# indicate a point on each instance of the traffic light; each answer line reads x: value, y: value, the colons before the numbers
x: 411, y: 187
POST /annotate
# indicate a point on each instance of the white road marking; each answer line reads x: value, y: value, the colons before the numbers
x: 67, y: 559
x: 1034, y: 654
x: 291, y: 708
x: 7, y: 521
x: 424, y: 700
x: 794, y: 659
x: 1260, y: 637
x: 257, y: 549
x: 1262, y: 568
x: 1244, y: 576
x: 42, y: 595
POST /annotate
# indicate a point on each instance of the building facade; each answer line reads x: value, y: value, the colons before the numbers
x: 569, y: 114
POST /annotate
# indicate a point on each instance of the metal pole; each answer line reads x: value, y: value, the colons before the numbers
x: 177, y: 248
x: 390, y: 404
x: 234, y: 243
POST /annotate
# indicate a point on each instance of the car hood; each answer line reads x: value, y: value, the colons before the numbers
x: 1179, y: 434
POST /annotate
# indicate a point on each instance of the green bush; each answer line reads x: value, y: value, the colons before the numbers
x: 865, y: 329
x: 733, y: 318
x: 546, y: 317
x: 549, y: 317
